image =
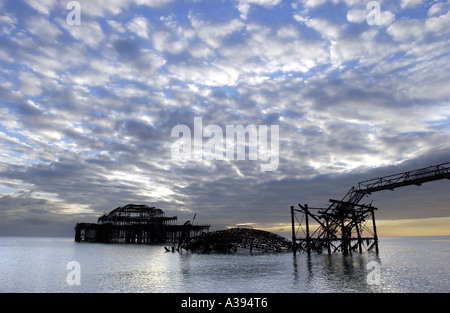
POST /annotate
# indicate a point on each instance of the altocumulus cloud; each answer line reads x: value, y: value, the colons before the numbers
x: 87, y: 110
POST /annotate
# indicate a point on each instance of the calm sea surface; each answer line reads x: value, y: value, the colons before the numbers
x: 404, y: 264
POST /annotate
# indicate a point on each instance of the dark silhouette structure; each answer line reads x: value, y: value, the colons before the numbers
x: 234, y: 239
x: 136, y: 224
x: 344, y: 225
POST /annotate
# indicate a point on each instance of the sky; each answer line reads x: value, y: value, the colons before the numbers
x: 93, y: 93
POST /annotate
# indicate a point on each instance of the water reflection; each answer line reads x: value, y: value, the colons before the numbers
x: 272, y: 272
x: 185, y: 267
x: 39, y: 265
x: 334, y: 272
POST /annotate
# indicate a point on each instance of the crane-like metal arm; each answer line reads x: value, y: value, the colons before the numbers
x: 415, y: 177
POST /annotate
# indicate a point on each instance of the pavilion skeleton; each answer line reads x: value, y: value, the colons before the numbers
x: 348, y: 226
x: 135, y: 223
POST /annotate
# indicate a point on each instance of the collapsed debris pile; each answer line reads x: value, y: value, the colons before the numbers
x: 234, y: 239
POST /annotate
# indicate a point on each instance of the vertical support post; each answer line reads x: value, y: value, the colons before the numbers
x: 375, y: 236
x: 357, y: 231
x: 344, y: 237
x: 328, y: 235
x: 308, y: 240
x: 294, y: 240
x: 78, y: 233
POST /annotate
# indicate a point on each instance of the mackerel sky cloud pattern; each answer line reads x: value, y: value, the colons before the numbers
x: 87, y: 110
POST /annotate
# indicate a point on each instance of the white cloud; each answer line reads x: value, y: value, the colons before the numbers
x: 42, y: 6
x: 387, y: 18
x: 244, y: 5
x: 102, y: 7
x: 437, y: 8
x: 438, y: 25
x: 117, y: 26
x: 287, y: 32
x: 406, y: 30
x: 410, y: 3
x: 153, y: 3
x: 38, y: 25
x: 43, y: 64
x: 7, y: 24
x: 243, y: 9
x: 327, y: 29
x: 213, y: 34
x: 413, y: 29
x: 357, y: 16
x: 313, y: 3
x: 267, y: 51
x: 139, y: 26
x: 107, y: 8
x: 30, y: 84
x: 89, y: 32
x: 360, y: 16
x: 164, y: 41
x: 150, y: 60
x: 352, y: 2
x: 5, y: 57
x: 429, y: 78
x: 173, y: 38
x: 201, y: 52
x: 205, y: 74
x: 266, y: 3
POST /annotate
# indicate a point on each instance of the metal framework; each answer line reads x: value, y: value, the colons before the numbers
x: 335, y: 231
x: 415, y: 177
x: 344, y: 225
x: 136, y: 224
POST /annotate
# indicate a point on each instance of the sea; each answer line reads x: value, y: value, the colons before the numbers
x: 60, y: 265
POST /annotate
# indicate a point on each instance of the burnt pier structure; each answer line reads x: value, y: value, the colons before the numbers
x: 347, y: 226
x: 136, y: 224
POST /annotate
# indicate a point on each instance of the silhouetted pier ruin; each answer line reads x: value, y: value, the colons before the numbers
x: 344, y: 226
x: 136, y: 224
x: 347, y: 226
